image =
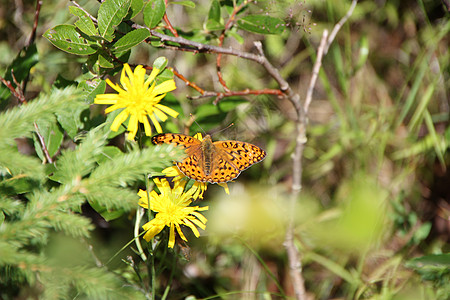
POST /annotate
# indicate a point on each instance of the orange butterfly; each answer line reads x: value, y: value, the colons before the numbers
x: 209, y: 161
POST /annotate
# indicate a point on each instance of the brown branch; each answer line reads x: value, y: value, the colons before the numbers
x: 35, y: 23
x: 188, y: 83
x: 316, y: 69
x: 169, y: 25
x: 85, y: 11
x: 16, y: 92
x: 42, y: 141
x: 228, y: 25
x: 220, y: 95
x: 294, y: 257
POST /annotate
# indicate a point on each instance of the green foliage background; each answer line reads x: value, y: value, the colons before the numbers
x: 372, y: 221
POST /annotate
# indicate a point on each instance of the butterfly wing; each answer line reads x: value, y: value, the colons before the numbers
x: 233, y: 157
x: 185, y: 141
x: 193, y: 165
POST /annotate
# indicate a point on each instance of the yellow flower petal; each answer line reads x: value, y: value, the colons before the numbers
x: 153, y: 74
x: 147, y: 127
x: 133, y: 124
x: 225, y: 186
x: 164, y: 87
x: 180, y: 232
x: 156, y: 124
x: 119, y: 120
x: 162, y: 116
x: 192, y: 227
x: 167, y: 110
x: 171, y: 237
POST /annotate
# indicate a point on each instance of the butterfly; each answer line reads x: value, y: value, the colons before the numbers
x: 214, y: 162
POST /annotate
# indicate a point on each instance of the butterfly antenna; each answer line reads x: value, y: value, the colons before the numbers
x: 194, y: 121
x: 223, y: 129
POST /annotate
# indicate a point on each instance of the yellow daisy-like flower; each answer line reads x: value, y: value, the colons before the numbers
x: 139, y: 98
x: 172, y: 208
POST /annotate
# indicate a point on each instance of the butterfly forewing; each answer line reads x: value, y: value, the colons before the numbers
x: 178, y: 139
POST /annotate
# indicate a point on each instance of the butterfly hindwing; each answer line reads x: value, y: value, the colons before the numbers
x: 241, y: 155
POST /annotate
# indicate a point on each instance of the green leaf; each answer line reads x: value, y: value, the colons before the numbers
x: 92, y: 88
x: 160, y: 63
x: 214, y: 11
x: 21, y: 65
x: 18, y: 121
x: 236, y: 36
x: 108, y: 215
x: 214, y: 21
x: 105, y: 61
x: 209, y: 115
x: 67, y: 38
x: 434, y: 259
x: 85, y: 24
x: 164, y: 76
x: 154, y: 12
x: 110, y: 14
x: 184, y: 3
x: 70, y: 119
x: 135, y: 8
x: 261, y: 24
x: 53, y: 137
x: 108, y: 153
x: 130, y: 40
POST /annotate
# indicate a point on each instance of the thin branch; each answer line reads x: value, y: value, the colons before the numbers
x: 228, y: 25
x: 42, y: 141
x: 338, y: 26
x: 85, y: 11
x: 294, y: 256
x: 315, y: 73
x: 16, y: 92
x: 35, y: 23
x: 221, y: 95
x: 167, y: 21
x: 188, y: 83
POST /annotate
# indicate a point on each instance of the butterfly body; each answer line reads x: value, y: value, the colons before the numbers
x: 209, y: 161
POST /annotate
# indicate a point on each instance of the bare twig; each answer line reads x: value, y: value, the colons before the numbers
x: 42, y: 141
x: 35, y: 23
x: 315, y: 72
x: 167, y: 21
x: 228, y: 25
x: 338, y: 26
x: 85, y: 11
x: 292, y: 251
x: 17, y: 92
x: 245, y: 92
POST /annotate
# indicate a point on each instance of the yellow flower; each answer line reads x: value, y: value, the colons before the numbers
x: 139, y: 98
x: 172, y: 208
